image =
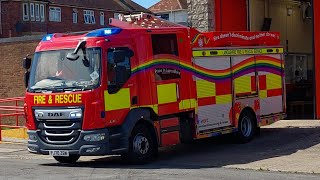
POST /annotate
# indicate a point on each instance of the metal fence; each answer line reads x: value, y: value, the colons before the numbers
x: 11, y: 107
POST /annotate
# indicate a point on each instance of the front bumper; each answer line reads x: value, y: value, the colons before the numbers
x: 80, y: 146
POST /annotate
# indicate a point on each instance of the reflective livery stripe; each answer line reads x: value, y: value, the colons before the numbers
x: 187, y: 104
x: 205, y: 89
x: 167, y: 93
x: 235, y: 52
x: 119, y: 100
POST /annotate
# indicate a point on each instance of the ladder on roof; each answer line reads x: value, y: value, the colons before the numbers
x: 144, y: 20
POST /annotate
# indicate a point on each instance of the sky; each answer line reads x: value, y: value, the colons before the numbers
x: 146, y: 3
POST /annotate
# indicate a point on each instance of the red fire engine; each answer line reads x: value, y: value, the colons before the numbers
x: 149, y: 83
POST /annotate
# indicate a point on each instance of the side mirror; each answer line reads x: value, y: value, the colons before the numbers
x: 74, y: 55
x: 26, y: 63
x: 26, y: 78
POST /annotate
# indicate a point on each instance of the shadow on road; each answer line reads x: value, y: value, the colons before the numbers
x: 221, y: 151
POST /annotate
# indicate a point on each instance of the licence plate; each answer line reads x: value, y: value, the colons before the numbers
x: 59, y: 153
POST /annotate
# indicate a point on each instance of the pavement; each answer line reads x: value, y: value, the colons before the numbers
x: 291, y: 148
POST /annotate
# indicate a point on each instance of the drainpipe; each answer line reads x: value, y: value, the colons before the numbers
x: 1, y: 17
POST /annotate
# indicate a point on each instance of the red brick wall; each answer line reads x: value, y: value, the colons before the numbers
x: 11, y: 12
x: 12, y: 72
x: 12, y: 15
x: 67, y: 24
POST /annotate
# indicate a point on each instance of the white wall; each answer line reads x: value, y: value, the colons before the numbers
x: 293, y: 28
x: 177, y: 16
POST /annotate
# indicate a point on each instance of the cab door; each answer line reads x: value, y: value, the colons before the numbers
x: 121, y: 92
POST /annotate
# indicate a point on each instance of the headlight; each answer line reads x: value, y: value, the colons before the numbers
x: 75, y: 115
x: 95, y: 137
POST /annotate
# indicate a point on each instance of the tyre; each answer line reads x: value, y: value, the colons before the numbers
x: 142, y: 146
x: 69, y: 160
x: 246, y: 127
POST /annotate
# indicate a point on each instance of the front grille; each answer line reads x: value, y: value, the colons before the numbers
x: 58, y: 131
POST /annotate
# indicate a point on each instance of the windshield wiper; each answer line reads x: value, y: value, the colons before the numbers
x: 40, y: 90
x: 74, y: 88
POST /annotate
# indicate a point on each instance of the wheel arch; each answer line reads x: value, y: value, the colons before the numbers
x: 137, y: 116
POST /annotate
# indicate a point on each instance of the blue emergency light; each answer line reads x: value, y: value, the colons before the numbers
x: 48, y: 37
x: 104, y: 32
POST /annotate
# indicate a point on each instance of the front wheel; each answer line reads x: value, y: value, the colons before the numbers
x: 246, y: 127
x: 142, y: 146
x: 69, y: 160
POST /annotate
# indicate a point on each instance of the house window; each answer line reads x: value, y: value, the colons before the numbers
x: 25, y: 12
x: 102, y: 18
x: 89, y: 17
x: 32, y: 12
x: 42, y: 16
x: 55, y: 14
x: 75, y: 16
x: 37, y: 12
x: 165, y: 16
x: 116, y: 15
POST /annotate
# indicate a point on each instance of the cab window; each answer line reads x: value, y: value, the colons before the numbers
x: 118, y: 68
x: 164, y: 44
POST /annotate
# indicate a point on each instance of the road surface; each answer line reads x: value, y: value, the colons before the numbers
x: 287, y: 150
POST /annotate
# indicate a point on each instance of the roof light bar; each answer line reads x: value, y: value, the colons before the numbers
x: 104, y: 32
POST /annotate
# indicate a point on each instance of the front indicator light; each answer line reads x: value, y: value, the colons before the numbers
x: 95, y: 137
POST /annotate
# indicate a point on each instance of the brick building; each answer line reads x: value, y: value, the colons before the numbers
x: 29, y: 17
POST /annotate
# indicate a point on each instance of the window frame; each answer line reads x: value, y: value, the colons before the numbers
x: 37, y: 12
x: 102, y: 19
x: 116, y: 15
x: 25, y: 12
x: 42, y: 13
x: 32, y: 12
x: 91, y: 18
x: 53, y: 12
x: 75, y: 17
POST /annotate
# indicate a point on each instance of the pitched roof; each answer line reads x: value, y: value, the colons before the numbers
x: 114, y: 5
x: 133, y: 6
x: 169, y: 5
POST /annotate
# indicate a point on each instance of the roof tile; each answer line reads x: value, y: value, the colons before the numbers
x: 115, y: 5
x: 169, y: 5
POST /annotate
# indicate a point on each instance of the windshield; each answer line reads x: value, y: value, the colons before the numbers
x: 52, y: 71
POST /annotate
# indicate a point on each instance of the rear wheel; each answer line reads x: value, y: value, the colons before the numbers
x: 70, y: 159
x: 142, y: 146
x: 246, y: 127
